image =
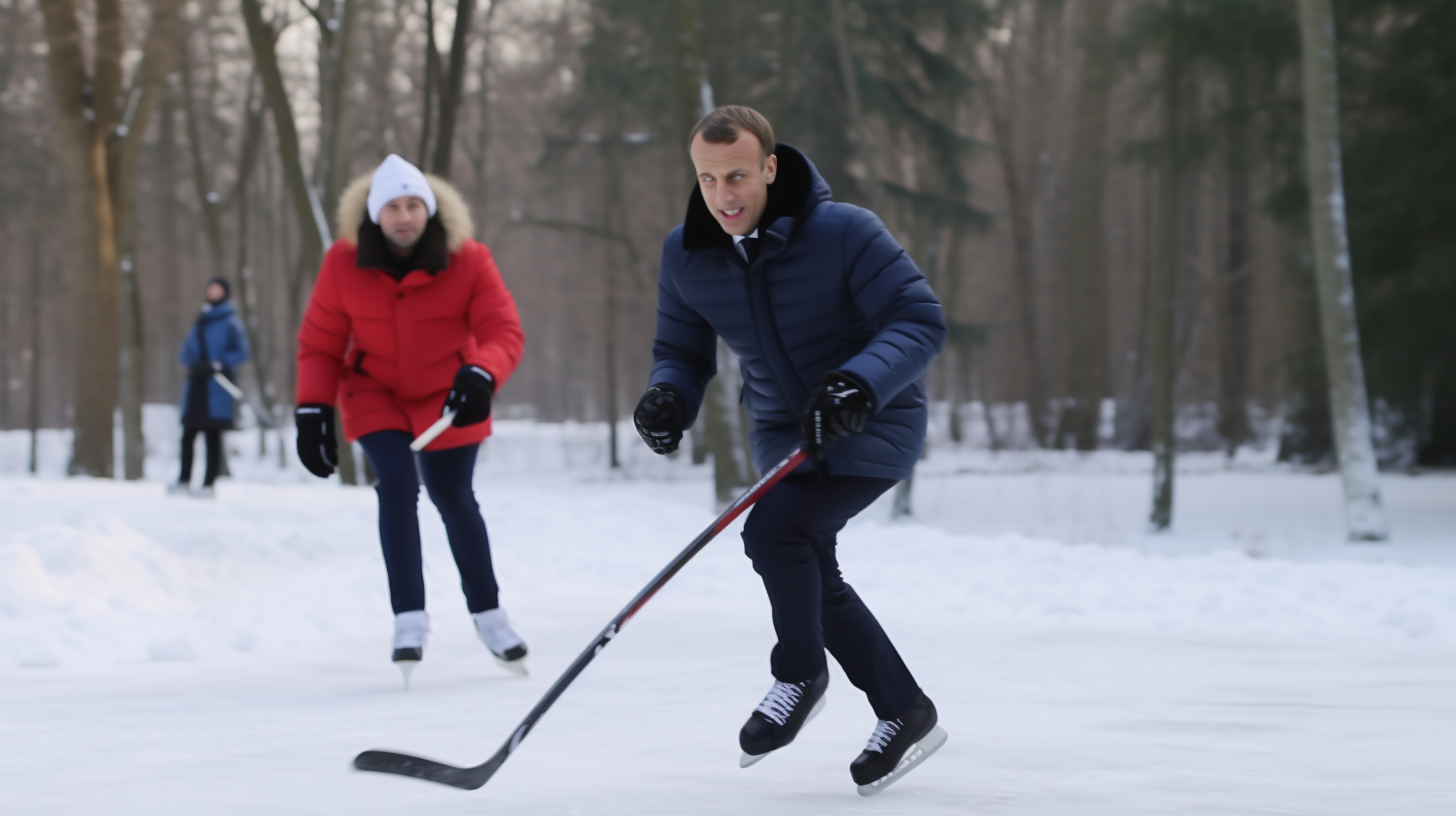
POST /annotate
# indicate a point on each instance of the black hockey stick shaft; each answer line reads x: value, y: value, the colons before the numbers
x: 474, y: 777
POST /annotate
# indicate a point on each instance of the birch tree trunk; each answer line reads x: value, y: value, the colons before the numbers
x: 1349, y: 404
x: 1165, y: 282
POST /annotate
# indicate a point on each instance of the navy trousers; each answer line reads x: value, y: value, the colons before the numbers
x: 790, y: 536
x: 448, y: 478
x: 213, y: 437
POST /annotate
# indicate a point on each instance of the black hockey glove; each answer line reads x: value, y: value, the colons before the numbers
x: 838, y: 406
x: 660, y: 418
x: 470, y: 396
x: 318, y: 450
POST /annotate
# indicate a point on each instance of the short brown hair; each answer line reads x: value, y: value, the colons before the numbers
x: 723, y: 126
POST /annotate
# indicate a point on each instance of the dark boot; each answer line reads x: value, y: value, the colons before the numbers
x: 777, y: 720
x: 897, y: 746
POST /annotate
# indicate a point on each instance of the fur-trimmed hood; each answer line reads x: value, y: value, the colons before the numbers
x: 450, y: 208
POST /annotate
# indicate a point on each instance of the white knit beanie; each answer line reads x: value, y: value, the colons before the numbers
x: 395, y: 178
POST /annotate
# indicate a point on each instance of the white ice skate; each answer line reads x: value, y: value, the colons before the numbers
x: 178, y: 489
x: 410, y: 632
x: 204, y: 492
x: 504, y: 644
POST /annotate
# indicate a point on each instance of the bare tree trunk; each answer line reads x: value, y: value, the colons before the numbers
x: 432, y: 82
x: 784, y: 89
x: 719, y: 418
x: 84, y: 121
x: 1349, y: 404
x: 1233, y: 409
x: 480, y: 156
x: 1165, y: 284
x: 5, y: 344
x: 334, y: 155
x: 308, y: 209
x: 724, y: 428
x: 37, y: 279
x: 1087, y: 284
x: 247, y: 290
x: 313, y: 227
x: 612, y: 223
x: 454, y: 82
x: 208, y: 199
x: 157, y: 55
x: 1023, y: 241
x: 858, y: 136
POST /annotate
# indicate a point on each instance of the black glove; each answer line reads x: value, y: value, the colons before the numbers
x: 317, y: 447
x: 660, y: 418
x: 838, y: 406
x: 470, y: 396
x: 204, y: 369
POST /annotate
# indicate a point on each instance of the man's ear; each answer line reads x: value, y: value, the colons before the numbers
x: 771, y: 168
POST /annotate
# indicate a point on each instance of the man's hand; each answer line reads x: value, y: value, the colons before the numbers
x: 838, y: 406
x: 317, y: 447
x: 660, y: 418
x: 470, y: 396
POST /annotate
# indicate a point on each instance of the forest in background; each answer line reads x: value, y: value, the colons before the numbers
x: 1043, y: 161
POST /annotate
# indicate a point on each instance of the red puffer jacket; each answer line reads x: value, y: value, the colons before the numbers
x: 386, y: 350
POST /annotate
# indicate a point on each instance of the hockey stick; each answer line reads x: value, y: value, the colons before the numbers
x: 237, y: 394
x: 441, y: 425
x: 472, y: 778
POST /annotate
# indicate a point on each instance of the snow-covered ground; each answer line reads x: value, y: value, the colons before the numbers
x: 165, y: 655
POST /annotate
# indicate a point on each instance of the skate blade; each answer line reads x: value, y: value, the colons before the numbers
x: 918, y: 753
x: 406, y: 668
x: 513, y: 666
x: 752, y: 759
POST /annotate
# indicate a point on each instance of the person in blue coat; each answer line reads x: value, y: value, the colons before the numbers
x: 834, y: 327
x: 215, y: 347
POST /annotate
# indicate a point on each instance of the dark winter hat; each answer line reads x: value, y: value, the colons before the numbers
x: 227, y: 290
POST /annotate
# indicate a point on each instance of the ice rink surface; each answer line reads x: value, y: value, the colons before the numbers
x: 163, y: 655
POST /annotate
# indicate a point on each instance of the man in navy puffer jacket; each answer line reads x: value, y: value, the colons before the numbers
x: 834, y: 327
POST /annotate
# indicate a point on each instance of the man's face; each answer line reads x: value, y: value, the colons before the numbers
x: 403, y: 220
x: 215, y: 293
x: 734, y: 179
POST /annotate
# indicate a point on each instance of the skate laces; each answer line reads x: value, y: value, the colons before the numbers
x: 779, y: 703
x: 885, y: 730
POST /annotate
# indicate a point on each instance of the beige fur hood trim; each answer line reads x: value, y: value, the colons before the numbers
x: 450, y: 207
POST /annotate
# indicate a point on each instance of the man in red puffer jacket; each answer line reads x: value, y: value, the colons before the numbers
x: 408, y: 320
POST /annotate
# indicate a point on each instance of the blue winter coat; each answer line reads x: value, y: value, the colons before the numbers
x: 830, y: 289
x: 227, y: 342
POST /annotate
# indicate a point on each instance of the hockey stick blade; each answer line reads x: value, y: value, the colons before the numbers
x: 390, y: 762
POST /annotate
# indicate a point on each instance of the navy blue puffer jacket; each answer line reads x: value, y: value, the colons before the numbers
x: 830, y: 289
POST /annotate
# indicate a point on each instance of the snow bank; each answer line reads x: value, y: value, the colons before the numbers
x: 98, y: 572
x: 1016, y: 580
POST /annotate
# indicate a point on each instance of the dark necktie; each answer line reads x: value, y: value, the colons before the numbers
x: 750, y: 248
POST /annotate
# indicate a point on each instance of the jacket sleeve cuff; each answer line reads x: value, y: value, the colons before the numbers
x: 686, y: 387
